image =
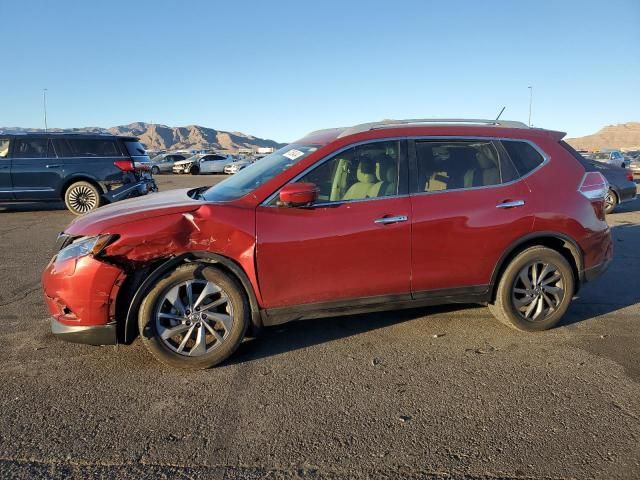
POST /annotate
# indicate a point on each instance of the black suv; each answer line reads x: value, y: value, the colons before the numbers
x: 84, y: 170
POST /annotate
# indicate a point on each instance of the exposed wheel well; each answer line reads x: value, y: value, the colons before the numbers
x: 569, y: 250
x: 139, y: 283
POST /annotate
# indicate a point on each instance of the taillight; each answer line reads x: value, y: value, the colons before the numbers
x: 594, y: 186
x: 125, y: 165
x: 629, y: 174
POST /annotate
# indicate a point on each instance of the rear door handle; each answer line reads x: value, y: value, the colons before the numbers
x: 53, y: 166
x: 395, y: 219
x: 511, y: 204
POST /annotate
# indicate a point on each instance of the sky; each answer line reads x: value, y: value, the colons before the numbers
x: 279, y: 69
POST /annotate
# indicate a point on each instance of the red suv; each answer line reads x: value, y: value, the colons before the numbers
x: 378, y: 216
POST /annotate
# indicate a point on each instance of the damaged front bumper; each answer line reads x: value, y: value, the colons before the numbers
x: 81, y: 297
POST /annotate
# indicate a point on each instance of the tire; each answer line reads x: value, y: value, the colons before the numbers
x: 155, y: 170
x: 185, y: 348
x: 610, y: 202
x: 82, y: 197
x: 510, y: 290
x: 195, y: 170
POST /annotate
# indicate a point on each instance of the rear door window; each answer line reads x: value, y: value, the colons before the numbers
x: 458, y: 164
x: 523, y: 155
x: 30, y: 148
x: 93, y: 147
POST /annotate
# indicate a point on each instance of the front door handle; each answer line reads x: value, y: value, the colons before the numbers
x: 511, y: 204
x: 395, y: 219
x: 53, y: 166
x: 3, y: 167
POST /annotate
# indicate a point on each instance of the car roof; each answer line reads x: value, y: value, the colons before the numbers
x: 70, y: 134
x: 425, y: 126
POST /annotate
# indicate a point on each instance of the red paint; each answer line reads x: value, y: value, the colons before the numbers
x: 306, y: 255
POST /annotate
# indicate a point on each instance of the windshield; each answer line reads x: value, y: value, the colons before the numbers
x: 258, y: 173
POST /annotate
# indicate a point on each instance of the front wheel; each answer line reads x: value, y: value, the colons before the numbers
x: 82, y: 197
x: 155, y: 170
x: 610, y: 201
x: 195, y: 170
x: 535, y: 290
x: 194, y: 318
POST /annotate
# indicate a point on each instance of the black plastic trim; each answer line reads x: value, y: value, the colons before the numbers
x: 91, y: 335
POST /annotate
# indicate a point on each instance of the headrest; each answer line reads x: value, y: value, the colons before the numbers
x: 485, y: 162
x: 366, y: 170
x: 391, y: 175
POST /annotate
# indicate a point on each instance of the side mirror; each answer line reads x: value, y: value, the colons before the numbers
x: 298, y: 195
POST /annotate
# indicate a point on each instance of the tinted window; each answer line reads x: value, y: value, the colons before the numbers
x: 4, y: 147
x: 523, y: 155
x: 62, y: 147
x: 135, y: 148
x: 93, y: 147
x: 30, y: 148
x: 452, y: 165
x: 365, y: 171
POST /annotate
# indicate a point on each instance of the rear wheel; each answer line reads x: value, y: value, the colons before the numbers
x: 610, y: 201
x: 194, y: 318
x: 535, y: 290
x: 82, y: 197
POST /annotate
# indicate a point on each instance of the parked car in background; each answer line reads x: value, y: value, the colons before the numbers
x: 613, y: 157
x: 164, y: 163
x: 83, y: 170
x: 634, y: 166
x: 235, y: 167
x: 378, y: 216
x: 622, y: 188
x: 209, y: 163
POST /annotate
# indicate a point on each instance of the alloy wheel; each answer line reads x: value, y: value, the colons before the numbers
x: 537, y: 291
x: 609, y: 201
x: 82, y: 198
x: 194, y: 317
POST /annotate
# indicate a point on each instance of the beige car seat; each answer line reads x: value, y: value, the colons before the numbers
x: 485, y: 173
x: 366, y: 178
x: 387, y: 174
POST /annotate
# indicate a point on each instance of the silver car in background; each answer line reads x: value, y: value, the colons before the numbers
x: 163, y: 163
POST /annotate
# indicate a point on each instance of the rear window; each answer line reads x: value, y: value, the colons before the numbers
x: 585, y: 162
x: 134, y: 148
x: 524, y: 156
x: 92, y: 147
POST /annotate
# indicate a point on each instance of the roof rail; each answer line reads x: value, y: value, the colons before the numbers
x: 364, y: 127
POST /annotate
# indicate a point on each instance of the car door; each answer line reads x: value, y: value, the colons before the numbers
x: 36, y: 171
x: 6, y: 188
x: 348, y: 245
x: 467, y: 208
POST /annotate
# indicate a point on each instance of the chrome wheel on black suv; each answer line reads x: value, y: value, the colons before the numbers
x: 82, y: 197
x: 195, y: 317
x: 535, y: 290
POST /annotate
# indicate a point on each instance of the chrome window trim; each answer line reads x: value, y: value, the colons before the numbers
x: 322, y: 161
x: 545, y: 160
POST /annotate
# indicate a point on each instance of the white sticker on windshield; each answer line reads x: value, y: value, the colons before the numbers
x: 293, y: 154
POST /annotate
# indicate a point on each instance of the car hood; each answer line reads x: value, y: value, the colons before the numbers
x: 105, y: 219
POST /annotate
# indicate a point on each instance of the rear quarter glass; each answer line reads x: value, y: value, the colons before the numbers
x: 134, y: 148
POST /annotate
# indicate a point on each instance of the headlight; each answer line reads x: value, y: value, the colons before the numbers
x: 85, y: 246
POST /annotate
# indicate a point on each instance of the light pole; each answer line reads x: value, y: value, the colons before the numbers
x: 44, y: 105
x: 530, y: 102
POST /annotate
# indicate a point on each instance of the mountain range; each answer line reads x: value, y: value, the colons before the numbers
x: 163, y: 137
x: 623, y: 135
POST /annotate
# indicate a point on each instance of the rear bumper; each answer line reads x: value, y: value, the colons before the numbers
x: 129, y: 190
x: 592, y: 273
x: 628, y: 194
x: 91, y: 334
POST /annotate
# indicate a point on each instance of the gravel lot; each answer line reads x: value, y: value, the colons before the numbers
x: 430, y: 393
